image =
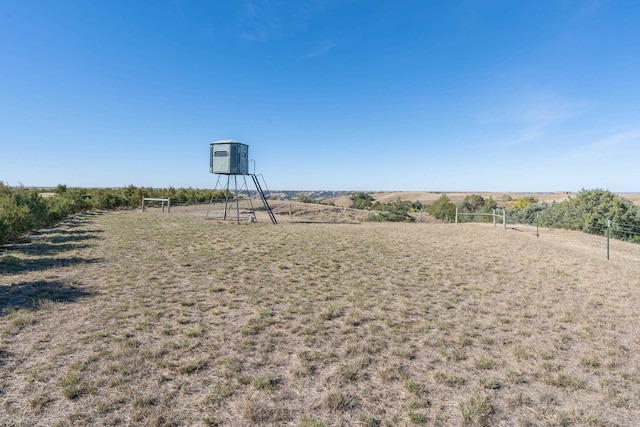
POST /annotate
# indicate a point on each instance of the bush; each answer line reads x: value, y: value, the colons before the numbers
x: 396, y: 211
x: 14, y: 219
x: 527, y: 214
x: 23, y: 210
x: 523, y: 202
x: 475, y: 203
x: 593, y: 208
x: 472, y: 203
x: 587, y: 212
x: 442, y: 209
x: 303, y: 198
x: 361, y: 201
x: 109, y: 199
x: 38, y: 212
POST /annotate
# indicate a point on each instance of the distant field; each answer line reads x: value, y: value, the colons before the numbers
x: 147, y: 319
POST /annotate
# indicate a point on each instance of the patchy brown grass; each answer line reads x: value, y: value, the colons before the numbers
x: 134, y: 319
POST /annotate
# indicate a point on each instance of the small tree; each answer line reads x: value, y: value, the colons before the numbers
x: 393, y: 211
x: 361, y: 201
x: 471, y: 203
x: 442, y: 209
x: 523, y: 202
x: 587, y: 212
x: 303, y: 198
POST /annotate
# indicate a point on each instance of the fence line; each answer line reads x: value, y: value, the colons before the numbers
x: 503, y: 215
x: 158, y: 199
x: 608, y: 228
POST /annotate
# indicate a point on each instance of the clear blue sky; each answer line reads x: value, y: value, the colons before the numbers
x: 329, y: 95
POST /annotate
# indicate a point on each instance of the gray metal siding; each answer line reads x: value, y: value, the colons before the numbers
x: 231, y: 158
x: 221, y: 163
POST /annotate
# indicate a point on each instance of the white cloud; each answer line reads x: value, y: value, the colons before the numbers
x: 532, y: 113
x: 265, y: 20
x: 588, y: 9
x: 529, y: 134
x: 260, y: 21
x: 623, y: 146
x: 618, y: 138
x: 324, y: 48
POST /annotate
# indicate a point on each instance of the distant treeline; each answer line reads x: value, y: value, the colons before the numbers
x: 23, y: 210
x: 589, y: 211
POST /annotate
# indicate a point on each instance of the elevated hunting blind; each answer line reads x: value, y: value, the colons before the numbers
x: 229, y: 157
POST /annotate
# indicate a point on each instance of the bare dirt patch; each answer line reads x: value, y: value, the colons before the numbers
x: 134, y: 319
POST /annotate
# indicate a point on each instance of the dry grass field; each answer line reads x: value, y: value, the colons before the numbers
x: 127, y: 318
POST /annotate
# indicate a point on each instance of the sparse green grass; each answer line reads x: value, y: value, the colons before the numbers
x: 258, y: 412
x: 476, y: 411
x: 449, y: 379
x: 367, y: 420
x: 484, y: 362
x: 561, y: 379
x: 311, y: 421
x: 196, y: 332
x: 589, y: 362
x: 72, y: 386
x: 123, y: 318
x: 193, y: 366
x: 266, y: 383
x: 418, y: 418
x: 340, y: 401
x: 212, y: 422
x: 218, y: 394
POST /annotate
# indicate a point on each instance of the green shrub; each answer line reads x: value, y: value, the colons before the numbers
x: 305, y: 199
x: 14, y: 220
x: 442, y: 209
x: 588, y: 212
x: 109, y: 199
x: 23, y: 210
x: 381, y: 212
x: 475, y: 203
x: 361, y: 201
x: 526, y: 215
x: 397, y: 211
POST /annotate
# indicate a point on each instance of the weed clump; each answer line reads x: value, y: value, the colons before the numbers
x: 476, y: 411
x: 339, y: 401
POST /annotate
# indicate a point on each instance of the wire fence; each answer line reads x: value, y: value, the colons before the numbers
x: 585, y: 222
x: 626, y: 230
x: 601, y: 226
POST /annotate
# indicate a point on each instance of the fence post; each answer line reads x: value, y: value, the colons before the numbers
x: 537, y: 224
x: 494, y: 217
x: 456, y: 215
x: 504, y: 218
